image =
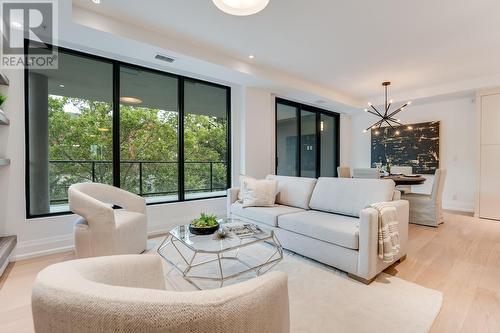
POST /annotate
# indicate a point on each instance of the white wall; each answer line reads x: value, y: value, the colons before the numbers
x: 457, y: 146
x: 257, y: 135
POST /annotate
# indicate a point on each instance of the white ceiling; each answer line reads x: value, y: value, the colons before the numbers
x: 351, y: 46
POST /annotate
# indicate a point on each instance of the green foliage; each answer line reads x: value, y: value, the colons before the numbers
x: 205, y: 221
x: 80, y: 131
x: 3, y: 98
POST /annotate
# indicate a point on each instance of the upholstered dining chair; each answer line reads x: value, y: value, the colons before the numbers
x: 127, y: 293
x: 404, y: 170
x: 102, y: 230
x: 344, y: 172
x: 369, y: 173
x: 428, y: 209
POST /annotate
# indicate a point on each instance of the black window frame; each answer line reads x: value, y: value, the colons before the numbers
x: 318, y: 111
x: 116, y: 125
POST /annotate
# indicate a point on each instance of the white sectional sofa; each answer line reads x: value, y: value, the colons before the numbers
x: 326, y: 219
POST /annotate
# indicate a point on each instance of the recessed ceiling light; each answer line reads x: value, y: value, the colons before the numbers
x: 241, y: 7
x: 97, y: 2
x: 130, y: 100
x: 251, y: 56
x: 61, y: 85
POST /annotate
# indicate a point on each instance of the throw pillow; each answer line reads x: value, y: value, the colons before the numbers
x: 258, y: 193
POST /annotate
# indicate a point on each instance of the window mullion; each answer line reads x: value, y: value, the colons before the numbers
x: 116, y: 124
x: 180, y: 153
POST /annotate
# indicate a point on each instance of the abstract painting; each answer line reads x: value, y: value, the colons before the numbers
x: 417, y: 145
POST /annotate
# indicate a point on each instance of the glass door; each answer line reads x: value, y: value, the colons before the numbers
x: 286, y: 140
x: 307, y: 140
x: 308, y: 146
x: 328, y: 143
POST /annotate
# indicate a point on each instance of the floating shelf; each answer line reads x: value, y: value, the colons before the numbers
x: 7, y: 245
x: 4, y: 80
x: 3, y: 119
x: 4, y: 162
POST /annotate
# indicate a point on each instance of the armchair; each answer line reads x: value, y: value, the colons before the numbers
x: 127, y: 294
x: 103, y: 230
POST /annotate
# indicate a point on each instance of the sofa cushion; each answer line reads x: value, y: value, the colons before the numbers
x: 294, y: 191
x: 258, y: 192
x: 348, y: 196
x: 331, y: 228
x: 265, y: 215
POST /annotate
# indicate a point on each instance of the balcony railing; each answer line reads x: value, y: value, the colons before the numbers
x: 145, y: 178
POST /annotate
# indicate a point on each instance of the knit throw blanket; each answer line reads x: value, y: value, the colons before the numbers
x: 388, y: 231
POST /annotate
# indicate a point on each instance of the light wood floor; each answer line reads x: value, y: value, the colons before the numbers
x: 461, y: 258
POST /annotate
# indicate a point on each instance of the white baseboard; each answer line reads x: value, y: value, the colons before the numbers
x: 41, y: 247
x: 459, y: 206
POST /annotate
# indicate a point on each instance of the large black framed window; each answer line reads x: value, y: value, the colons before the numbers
x: 165, y: 137
x: 307, y: 140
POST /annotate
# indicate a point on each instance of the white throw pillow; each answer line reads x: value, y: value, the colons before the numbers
x: 258, y: 193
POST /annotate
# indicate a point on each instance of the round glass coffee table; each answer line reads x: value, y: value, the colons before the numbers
x: 196, y: 251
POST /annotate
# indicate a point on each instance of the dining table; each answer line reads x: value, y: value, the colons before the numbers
x: 406, y: 179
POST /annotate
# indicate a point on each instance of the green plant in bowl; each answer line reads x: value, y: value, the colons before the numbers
x: 205, y: 221
x: 204, y: 225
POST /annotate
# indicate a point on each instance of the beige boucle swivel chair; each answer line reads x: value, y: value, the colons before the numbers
x: 102, y: 230
x: 127, y: 293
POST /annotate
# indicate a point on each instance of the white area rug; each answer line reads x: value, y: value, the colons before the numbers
x: 323, y: 299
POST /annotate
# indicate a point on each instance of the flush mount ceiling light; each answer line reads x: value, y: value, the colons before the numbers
x: 386, y: 116
x: 130, y: 100
x: 241, y: 7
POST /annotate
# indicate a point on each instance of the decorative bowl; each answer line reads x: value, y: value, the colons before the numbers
x: 203, y: 231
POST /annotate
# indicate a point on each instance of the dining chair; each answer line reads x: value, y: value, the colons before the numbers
x: 403, y: 170
x: 367, y: 173
x: 427, y: 209
x: 344, y: 172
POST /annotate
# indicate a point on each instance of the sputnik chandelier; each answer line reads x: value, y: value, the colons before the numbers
x: 386, y: 116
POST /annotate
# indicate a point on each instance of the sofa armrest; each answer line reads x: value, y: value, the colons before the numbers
x: 369, y: 265
x: 232, y: 197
